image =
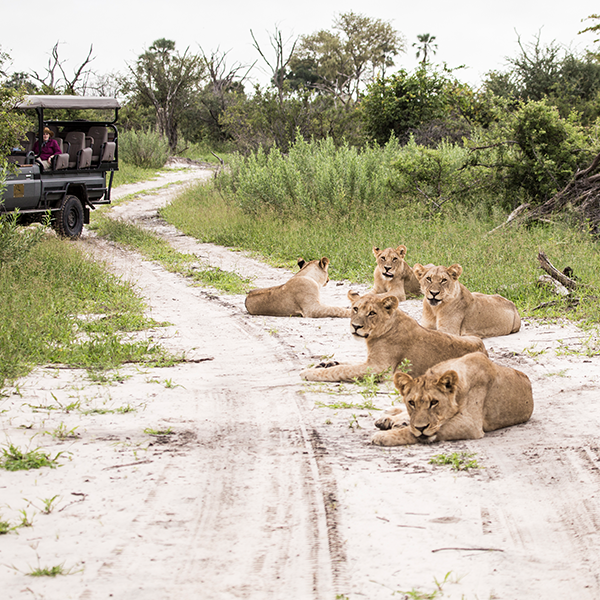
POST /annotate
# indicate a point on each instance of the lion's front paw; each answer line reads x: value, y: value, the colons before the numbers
x: 381, y: 438
x: 384, y: 422
x: 326, y: 365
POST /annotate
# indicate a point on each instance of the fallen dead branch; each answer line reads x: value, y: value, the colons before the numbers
x: 555, y: 273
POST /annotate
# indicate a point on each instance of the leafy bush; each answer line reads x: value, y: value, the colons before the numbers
x: 437, y: 176
x: 314, y: 177
x: 143, y: 148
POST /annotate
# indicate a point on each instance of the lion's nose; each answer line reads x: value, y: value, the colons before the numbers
x: 422, y: 429
x: 434, y: 294
x: 356, y: 327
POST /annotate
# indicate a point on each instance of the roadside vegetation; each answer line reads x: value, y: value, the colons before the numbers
x: 59, y: 307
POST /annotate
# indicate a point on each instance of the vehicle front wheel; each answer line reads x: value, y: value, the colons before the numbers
x: 68, y: 220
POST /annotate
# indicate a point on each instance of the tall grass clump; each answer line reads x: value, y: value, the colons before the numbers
x: 313, y: 177
x: 146, y: 149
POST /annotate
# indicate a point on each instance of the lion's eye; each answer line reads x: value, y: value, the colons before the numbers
x: 372, y: 313
x: 444, y: 280
x: 355, y: 309
x: 433, y: 403
x: 428, y: 279
x: 395, y: 260
x: 411, y: 403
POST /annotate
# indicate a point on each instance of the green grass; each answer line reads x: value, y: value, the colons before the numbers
x: 58, y: 306
x: 131, y: 174
x: 504, y: 262
x: 156, y: 249
x: 458, y: 461
x: 48, y: 571
x: 14, y: 459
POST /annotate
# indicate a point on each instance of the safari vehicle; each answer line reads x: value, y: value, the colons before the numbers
x: 77, y: 178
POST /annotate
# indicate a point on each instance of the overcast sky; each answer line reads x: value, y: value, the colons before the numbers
x: 474, y: 33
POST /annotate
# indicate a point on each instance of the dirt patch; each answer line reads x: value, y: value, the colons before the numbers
x: 267, y: 487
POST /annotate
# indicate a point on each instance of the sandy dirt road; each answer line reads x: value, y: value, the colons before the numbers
x: 263, y: 490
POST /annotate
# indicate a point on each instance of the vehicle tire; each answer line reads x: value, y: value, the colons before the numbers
x: 68, y: 220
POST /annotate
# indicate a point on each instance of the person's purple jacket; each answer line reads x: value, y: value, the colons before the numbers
x: 49, y: 148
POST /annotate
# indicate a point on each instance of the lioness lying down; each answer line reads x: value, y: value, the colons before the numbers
x: 391, y: 337
x: 393, y: 275
x: 449, y: 306
x: 298, y: 297
x: 459, y: 399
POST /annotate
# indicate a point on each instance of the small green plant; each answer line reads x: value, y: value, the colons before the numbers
x: 14, y: 459
x: 5, y: 527
x: 354, y: 424
x: 26, y: 520
x: 459, y: 461
x: 62, y: 433
x: 532, y: 351
x: 48, y: 571
x: 150, y: 431
x: 169, y: 384
x: 369, y: 384
x: 49, y: 504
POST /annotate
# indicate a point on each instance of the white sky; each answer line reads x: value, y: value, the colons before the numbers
x: 474, y: 33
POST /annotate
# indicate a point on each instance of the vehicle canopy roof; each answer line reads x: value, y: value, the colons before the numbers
x: 91, y: 102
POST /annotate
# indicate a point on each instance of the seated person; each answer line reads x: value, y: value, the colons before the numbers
x: 48, y: 149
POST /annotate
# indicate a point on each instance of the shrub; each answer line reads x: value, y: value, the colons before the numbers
x: 143, y: 148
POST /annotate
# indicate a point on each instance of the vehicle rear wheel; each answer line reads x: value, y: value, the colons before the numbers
x: 68, y: 220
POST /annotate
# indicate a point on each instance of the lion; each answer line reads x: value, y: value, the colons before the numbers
x: 450, y: 307
x: 298, y: 297
x: 393, y: 275
x: 459, y: 399
x: 392, y: 337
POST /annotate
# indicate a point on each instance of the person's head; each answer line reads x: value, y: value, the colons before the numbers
x: 48, y: 133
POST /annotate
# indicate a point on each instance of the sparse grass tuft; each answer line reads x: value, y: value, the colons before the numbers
x: 459, y: 461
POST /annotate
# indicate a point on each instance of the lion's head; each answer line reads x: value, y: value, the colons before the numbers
x: 371, y: 314
x: 315, y: 269
x: 391, y: 261
x: 438, y: 283
x: 430, y: 400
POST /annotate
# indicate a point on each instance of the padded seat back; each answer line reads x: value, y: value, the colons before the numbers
x: 76, y: 141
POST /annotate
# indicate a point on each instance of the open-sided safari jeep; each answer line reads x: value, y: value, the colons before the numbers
x: 77, y: 178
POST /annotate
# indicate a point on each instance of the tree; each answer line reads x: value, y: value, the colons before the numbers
x: 344, y: 61
x: 13, y: 123
x: 402, y: 102
x: 282, y: 60
x: 425, y: 46
x: 167, y: 81
x: 56, y: 80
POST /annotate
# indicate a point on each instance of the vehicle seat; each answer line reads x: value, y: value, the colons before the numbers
x: 99, y: 137
x: 80, y: 157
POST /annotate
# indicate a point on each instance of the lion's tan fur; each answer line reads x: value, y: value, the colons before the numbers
x: 459, y: 399
x: 393, y: 275
x: 449, y: 306
x: 392, y: 336
x: 298, y: 297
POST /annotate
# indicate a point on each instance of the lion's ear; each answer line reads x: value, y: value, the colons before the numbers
x: 390, y: 303
x: 455, y: 271
x: 401, y: 250
x: 448, y: 382
x: 376, y: 251
x: 324, y: 262
x: 403, y: 382
x: 353, y: 296
x: 418, y: 270
x: 301, y: 262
